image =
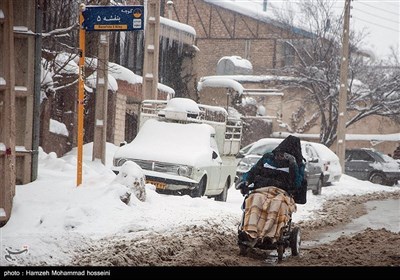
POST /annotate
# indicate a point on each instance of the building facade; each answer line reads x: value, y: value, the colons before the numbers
x: 223, y: 30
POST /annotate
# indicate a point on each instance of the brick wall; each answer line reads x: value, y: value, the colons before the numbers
x: 221, y: 32
x: 127, y: 109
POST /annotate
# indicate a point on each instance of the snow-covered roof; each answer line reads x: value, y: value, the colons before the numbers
x: 257, y: 14
x: 254, y: 78
x: 349, y: 137
x: 119, y: 72
x: 166, y: 89
x: 234, y: 81
x: 124, y: 74
x: 374, y: 137
x: 220, y: 82
x: 92, y: 80
x: 177, y: 31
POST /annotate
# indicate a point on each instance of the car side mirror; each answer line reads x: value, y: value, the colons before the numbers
x: 239, y: 155
x: 214, y: 155
x: 315, y: 160
x: 123, y: 143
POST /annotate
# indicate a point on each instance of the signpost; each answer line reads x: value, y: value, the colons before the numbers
x: 113, y: 18
x: 100, y: 18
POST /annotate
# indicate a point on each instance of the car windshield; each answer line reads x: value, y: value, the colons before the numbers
x: 266, y: 148
x: 384, y: 157
x: 245, y: 149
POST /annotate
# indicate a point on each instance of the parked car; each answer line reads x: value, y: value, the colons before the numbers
x: 259, y: 146
x: 243, y: 151
x: 372, y: 165
x: 314, y: 168
x: 184, y: 148
x: 263, y: 145
x: 330, y: 161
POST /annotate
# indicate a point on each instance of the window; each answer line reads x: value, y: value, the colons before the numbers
x: 311, y: 153
x: 360, y: 155
x: 289, y: 54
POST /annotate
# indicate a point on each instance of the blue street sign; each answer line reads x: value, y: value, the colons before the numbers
x: 113, y: 18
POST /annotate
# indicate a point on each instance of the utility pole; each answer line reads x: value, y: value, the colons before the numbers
x: 342, y: 110
x: 151, y: 51
x: 100, y: 123
x: 81, y: 96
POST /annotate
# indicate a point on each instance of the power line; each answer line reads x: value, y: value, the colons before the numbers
x: 285, y: 9
x: 377, y: 24
x: 390, y: 12
x: 383, y: 26
x: 378, y: 16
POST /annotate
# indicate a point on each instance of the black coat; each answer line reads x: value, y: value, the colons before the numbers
x: 282, y: 168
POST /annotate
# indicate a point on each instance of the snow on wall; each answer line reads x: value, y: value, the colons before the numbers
x: 58, y: 128
x: 112, y: 82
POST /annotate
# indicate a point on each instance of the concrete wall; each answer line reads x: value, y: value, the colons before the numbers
x: 17, y: 51
x: 119, y: 125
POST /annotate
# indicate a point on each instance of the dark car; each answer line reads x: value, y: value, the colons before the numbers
x: 372, y: 165
x: 314, y: 166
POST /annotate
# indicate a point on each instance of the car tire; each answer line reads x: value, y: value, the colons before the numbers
x: 200, y: 189
x: 377, y: 178
x: 295, y: 241
x: 318, y: 190
x: 243, y: 250
x: 391, y: 182
x: 224, y: 194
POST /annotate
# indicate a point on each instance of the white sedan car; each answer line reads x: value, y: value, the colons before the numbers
x: 315, y: 176
x: 330, y: 161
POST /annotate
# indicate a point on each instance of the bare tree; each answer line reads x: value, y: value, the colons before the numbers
x: 371, y: 92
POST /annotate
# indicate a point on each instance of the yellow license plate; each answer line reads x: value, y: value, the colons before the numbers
x: 160, y: 186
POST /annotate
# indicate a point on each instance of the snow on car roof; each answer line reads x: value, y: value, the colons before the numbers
x: 183, y: 105
x: 324, y: 152
x: 264, y: 141
x: 170, y: 142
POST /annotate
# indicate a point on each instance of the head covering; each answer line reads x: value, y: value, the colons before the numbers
x: 290, y: 145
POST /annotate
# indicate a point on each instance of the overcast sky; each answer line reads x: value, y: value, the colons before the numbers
x: 380, y: 17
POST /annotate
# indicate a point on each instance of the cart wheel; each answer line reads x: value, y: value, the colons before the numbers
x: 281, y: 250
x: 244, y: 250
x: 295, y: 241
